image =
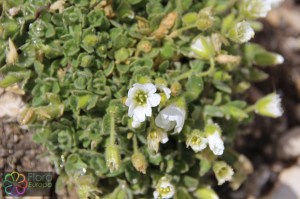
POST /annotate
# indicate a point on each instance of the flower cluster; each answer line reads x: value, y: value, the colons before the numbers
x: 137, y: 98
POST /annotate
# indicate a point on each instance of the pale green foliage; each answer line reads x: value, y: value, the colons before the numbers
x: 77, y: 59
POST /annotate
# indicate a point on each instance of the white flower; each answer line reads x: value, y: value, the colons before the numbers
x: 216, y: 143
x: 155, y: 137
x: 171, y: 117
x: 198, y: 46
x: 269, y: 105
x: 223, y: 172
x: 164, y: 189
x: 256, y: 8
x: 279, y: 59
x: 202, y: 48
x: 141, y: 99
x: 165, y: 89
x: 196, y: 141
x: 242, y: 32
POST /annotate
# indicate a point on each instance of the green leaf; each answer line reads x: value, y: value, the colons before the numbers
x: 182, y: 193
x: 205, y: 166
x: 205, y: 193
x: 190, y: 182
x: 74, y: 165
x: 213, y: 111
x: 235, y: 112
x: 222, y: 86
x: 194, y: 88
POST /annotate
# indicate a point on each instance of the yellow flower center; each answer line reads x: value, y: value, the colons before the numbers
x: 153, y: 135
x: 196, y: 140
x: 140, y: 97
x: 223, y: 172
x: 164, y: 190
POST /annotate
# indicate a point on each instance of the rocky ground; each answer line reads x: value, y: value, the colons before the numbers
x: 273, y: 146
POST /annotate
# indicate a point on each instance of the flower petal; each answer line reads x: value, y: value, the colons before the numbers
x: 164, y: 138
x: 139, y: 114
x: 154, y: 99
x: 131, y: 109
x: 148, y: 110
x: 149, y: 88
x: 135, y: 124
x: 216, y: 143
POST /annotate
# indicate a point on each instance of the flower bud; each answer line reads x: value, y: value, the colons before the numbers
x: 196, y: 141
x: 228, y: 59
x: 269, y: 106
x: 217, y: 41
x: 241, y: 32
x: 113, y: 157
x: 90, y: 40
x: 176, y: 88
x: 205, y: 19
x: 190, y: 18
x: 144, y: 46
x: 87, y: 60
x: 243, y: 167
x: 223, y: 172
x: 268, y: 59
x: 12, y: 54
x: 139, y: 162
x: 122, y: 54
x: 164, y: 189
x: 202, y: 48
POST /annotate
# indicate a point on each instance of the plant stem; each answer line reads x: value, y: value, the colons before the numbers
x: 135, y: 144
x: 201, y: 74
x: 175, y: 33
x: 112, y: 130
x: 210, y: 70
x: 250, y: 109
x: 184, y: 75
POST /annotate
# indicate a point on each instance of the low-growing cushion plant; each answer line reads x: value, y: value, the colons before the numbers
x: 138, y: 98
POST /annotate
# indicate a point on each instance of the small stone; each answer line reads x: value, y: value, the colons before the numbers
x: 287, y: 185
x: 1, y: 163
x: 3, y: 152
x: 288, y: 145
x: 257, y: 181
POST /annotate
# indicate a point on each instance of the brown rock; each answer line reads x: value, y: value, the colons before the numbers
x: 287, y: 185
x: 288, y: 146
